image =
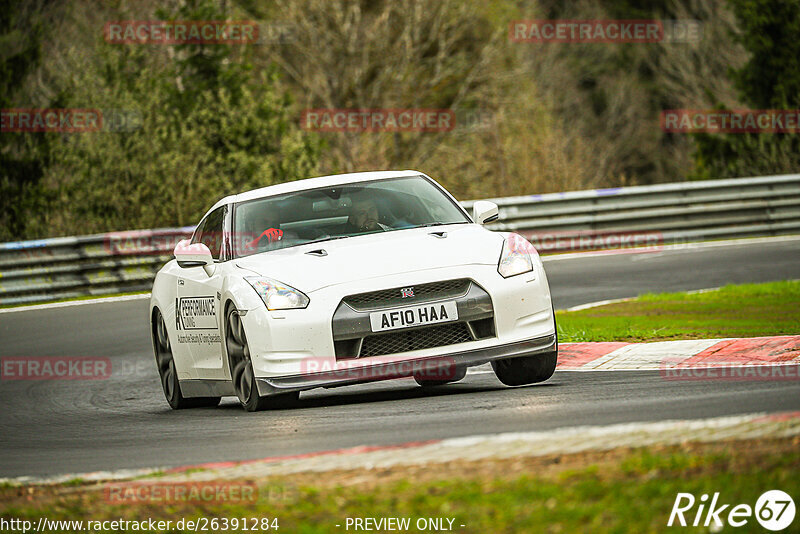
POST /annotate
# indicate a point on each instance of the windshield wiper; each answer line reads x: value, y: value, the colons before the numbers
x: 320, y: 240
x: 428, y: 225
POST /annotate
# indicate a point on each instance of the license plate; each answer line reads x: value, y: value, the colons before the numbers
x: 438, y: 312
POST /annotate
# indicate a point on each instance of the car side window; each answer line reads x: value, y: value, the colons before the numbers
x: 209, y: 231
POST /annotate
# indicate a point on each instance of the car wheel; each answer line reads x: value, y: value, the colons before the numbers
x: 527, y: 369
x: 459, y: 374
x: 242, y: 375
x: 169, y: 375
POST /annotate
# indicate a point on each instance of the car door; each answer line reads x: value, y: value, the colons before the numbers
x: 198, y: 315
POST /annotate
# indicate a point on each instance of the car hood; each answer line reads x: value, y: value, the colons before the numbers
x: 375, y: 255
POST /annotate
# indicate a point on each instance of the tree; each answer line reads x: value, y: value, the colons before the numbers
x: 205, y: 125
x: 769, y: 80
x: 21, y: 154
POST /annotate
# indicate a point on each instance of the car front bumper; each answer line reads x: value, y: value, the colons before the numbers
x: 296, y: 343
x: 441, y: 365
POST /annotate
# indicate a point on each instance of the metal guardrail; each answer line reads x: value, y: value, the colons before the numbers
x: 65, y: 267
x: 47, y: 269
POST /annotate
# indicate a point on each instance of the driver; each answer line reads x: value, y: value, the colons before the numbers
x: 363, y: 217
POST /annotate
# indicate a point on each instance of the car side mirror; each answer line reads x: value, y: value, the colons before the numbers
x: 191, y: 254
x: 484, y: 211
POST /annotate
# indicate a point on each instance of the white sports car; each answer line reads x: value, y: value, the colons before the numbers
x: 347, y: 279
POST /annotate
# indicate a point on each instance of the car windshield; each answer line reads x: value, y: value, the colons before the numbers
x: 341, y: 211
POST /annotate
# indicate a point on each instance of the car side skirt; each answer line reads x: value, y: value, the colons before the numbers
x: 206, y: 388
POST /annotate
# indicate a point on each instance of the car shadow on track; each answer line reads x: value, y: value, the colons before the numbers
x: 348, y: 395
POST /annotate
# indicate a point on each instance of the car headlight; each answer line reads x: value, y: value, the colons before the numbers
x: 516, y: 256
x: 277, y: 296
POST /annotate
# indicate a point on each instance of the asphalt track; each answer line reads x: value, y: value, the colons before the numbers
x: 54, y: 427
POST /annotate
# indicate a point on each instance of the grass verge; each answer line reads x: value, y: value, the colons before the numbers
x: 621, y: 490
x: 747, y: 310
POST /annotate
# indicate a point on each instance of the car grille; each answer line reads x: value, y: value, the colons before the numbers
x: 422, y: 293
x: 353, y: 336
x: 416, y: 339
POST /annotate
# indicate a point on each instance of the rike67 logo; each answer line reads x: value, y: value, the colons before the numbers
x: 774, y: 510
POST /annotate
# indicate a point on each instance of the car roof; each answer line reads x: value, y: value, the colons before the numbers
x: 312, y: 183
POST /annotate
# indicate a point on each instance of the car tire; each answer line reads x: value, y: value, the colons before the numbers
x: 524, y: 370
x: 460, y: 373
x: 168, y: 373
x: 242, y: 375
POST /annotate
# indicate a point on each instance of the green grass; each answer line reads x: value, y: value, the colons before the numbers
x: 748, y: 310
x: 634, y: 493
